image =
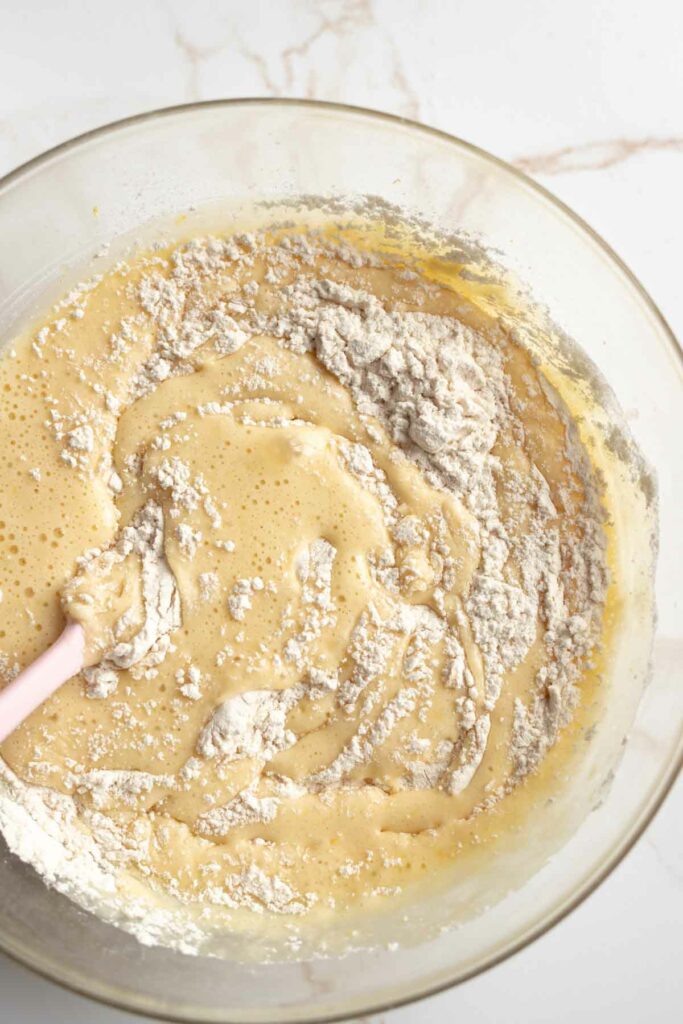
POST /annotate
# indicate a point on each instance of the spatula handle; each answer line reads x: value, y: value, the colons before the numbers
x: 35, y: 684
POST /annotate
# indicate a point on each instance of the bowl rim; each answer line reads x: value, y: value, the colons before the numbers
x: 102, y: 994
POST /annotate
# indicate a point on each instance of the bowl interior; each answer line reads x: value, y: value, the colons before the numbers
x: 234, y: 164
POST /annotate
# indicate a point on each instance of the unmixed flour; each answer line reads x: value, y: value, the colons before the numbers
x: 345, y: 518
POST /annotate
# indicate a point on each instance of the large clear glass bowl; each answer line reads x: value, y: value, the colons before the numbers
x: 58, y: 210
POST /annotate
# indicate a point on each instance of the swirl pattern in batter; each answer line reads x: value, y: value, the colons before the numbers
x: 339, y: 555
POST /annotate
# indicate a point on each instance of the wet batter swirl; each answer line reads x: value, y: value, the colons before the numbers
x: 339, y: 555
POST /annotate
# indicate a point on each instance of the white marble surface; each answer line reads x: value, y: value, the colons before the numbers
x: 585, y: 96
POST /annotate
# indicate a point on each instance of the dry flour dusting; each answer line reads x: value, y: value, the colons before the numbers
x: 349, y: 577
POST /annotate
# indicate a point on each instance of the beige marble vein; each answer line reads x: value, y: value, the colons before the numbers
x: 261, y: 66
x: 351, y: 17
x: 333, y: 50
x: 340, y: 21
x: 193, y: 56
x: 411, y: 99
x: 595, y: 156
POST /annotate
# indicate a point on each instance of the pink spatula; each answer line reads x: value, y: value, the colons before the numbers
x: 35, y: 684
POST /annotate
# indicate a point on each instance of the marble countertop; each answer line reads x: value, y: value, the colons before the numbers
x: 586, y: 98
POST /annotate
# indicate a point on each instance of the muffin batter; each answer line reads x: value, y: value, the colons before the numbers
x: 339, y: 557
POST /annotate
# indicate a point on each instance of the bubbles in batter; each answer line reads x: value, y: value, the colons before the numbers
x: 339, y: 556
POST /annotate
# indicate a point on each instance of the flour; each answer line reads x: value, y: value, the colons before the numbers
x: 245, y: 809
x: 368, y: 737
x: 249, y: 725
x: 441, y: 391
x: 240, y: 599
x: 471, y: 583
x: 209, y: 585
x: 41, y: 827
x: 314, y: 571
x: 189, y: 682
x: 144, y: 538
x: 258, y: 892
x: 175, y: 477
x: 107, y: 787
x: 503, y: 620
x: 188, y: 539
x: 81, y: 439
x: 415, y: 372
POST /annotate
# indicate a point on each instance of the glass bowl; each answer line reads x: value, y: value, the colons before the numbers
x: 510, y: 236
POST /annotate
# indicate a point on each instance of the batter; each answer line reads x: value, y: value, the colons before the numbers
x: 339, y: 557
